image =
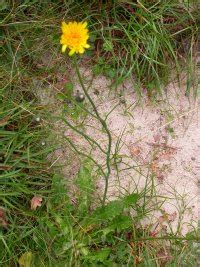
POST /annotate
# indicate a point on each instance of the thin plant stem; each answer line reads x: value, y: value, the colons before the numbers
x: 88, y: 138
x: 104, y: 125
x: 85, y: 155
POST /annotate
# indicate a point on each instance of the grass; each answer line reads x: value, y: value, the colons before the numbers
x: 23, y: 173
x: 144, y: 39
x: 138, y: 39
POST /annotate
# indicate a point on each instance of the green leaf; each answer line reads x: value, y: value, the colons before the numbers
x: 108, y: 212
x: 121, y: 222
x: 69, y: 88
x: 101, y: 61
x: 110, y: 73
x: 112, y: 209
x: 98, y: 256
x: 60, y: 96
x: 84, y: 181
x: 89, y: 53
x: 108, y: 46
x: 170, y: 130
x: 97, y: 69
x: 130, y: 199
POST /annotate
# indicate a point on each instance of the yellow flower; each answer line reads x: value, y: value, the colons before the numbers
x: 74, y: 36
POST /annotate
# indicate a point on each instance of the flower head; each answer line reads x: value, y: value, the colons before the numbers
x: 74, y: 36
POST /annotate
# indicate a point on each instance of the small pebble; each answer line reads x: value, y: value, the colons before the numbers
x: 122, y: 100
x: 37, y: 119
x: 79, y: 97
x: 96, y: 92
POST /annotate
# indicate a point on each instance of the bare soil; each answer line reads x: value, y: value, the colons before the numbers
x: 159, y: 144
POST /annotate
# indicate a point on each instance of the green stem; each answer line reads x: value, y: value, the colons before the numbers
x: 104, y: 125
x: 195, y: 239
x: 85, y: 155
x: 167, y: 238
x: 88, y: 138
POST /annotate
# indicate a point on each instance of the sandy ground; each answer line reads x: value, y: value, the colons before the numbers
x: 159, y: 143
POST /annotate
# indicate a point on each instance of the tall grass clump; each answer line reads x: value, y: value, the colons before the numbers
x: 147, y: 39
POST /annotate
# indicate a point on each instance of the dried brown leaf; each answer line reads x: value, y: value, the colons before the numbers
x: 137, y: 260
x: 164, y: 255
x: 36, y: 201
x: 5, y: 167
x: 4, y: 121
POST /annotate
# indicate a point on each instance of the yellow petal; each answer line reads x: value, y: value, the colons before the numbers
x: 86, y: 46
x: 85, y: 24
x: 71, y: 52
x: 86, y: 36
x: 61, y: 40
x: 64, y: 48
x: 81, y: 50
x: 63, y: 24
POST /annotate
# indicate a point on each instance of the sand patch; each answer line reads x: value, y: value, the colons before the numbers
x: 155, y: 142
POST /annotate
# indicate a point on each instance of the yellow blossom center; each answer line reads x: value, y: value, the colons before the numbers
x: 74, y: 36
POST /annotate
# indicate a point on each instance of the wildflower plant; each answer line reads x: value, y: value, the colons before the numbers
x: 75, y: 36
